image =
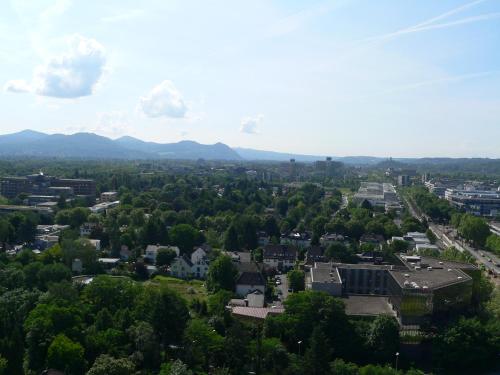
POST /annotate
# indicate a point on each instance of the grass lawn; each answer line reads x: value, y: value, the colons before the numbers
x: 190, y: 290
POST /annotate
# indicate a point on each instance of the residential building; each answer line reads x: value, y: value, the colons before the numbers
x: 200, y: 263
x: 329, y: 238
x: 315, y: 254
x: 109, y: 196
x: 87, y: 228
x: 249, y: 279
x: 181, y: 267
x: 255, y: 298
x: 280, y: 257
x: 48, y: 235
x: 296, y: 239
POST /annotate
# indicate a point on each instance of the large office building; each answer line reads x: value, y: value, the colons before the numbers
x: 418, y: 289
x: 476, y: 202
x: 377, y: 194
x: 41, y: 185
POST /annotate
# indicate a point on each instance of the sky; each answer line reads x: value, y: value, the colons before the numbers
x: 400, y: 78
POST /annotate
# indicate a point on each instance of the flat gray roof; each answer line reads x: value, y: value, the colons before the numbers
x: 368, y: 306
x: 325, y: 275
x: 429, y: 279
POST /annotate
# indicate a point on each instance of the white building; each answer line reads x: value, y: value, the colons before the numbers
x: 200, y: 263
x: 87, y: 228
x: 255, y: 299
x: 181, y: 267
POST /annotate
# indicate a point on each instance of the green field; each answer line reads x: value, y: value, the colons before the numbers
x: 190, y: 290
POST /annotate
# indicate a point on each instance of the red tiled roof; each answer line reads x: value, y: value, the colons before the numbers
x: 256, y: 312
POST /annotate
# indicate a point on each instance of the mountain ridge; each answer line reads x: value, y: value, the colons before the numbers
x: 31, y: 143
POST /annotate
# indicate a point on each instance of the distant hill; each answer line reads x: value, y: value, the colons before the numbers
x: 181, y: 150
x: 21, y: 137
x: 29, y: 143
x: 251, y: 154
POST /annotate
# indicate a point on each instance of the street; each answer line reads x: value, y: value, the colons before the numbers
x: 449, y: 237
x: 283, y: 287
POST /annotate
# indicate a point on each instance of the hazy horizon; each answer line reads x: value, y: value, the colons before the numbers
x: 341, y: 78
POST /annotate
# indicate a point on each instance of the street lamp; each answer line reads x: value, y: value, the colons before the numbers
x: 397, y: 357
x: 299, y: 342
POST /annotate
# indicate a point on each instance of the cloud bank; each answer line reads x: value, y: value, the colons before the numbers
x: 164, y: 100
x: 71, y: 75
x: 250, y: 125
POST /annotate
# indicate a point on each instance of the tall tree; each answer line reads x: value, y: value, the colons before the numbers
x: 221, y: 274
x: 66, y: 355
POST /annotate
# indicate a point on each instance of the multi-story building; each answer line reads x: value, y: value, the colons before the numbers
x: 418, y: 289
x: 109, y: 196
x: 377, y: 194
x: 476, y: 202
x: 404, y: 180
x: 280, y: 257
x: 42, y: 185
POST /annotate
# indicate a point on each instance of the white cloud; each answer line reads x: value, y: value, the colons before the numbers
x: 17, y: 86
x: 71, y: 75
x: 250, y: 125
x: 164, y: 100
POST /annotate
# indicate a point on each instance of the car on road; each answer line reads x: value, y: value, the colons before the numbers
x: 278, y: 282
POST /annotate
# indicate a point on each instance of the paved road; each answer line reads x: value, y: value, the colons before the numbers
x: 283, y: 287
x: 445, y: 231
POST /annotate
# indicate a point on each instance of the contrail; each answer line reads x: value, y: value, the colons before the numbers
x: 447, y: 14
x: 430, y: 23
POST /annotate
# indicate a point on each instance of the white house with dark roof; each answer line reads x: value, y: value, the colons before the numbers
x: 200, y: 263
x: 280, y: 257
x: 249, y: 279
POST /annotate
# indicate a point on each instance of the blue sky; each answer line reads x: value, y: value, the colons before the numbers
x: 341, y: 77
